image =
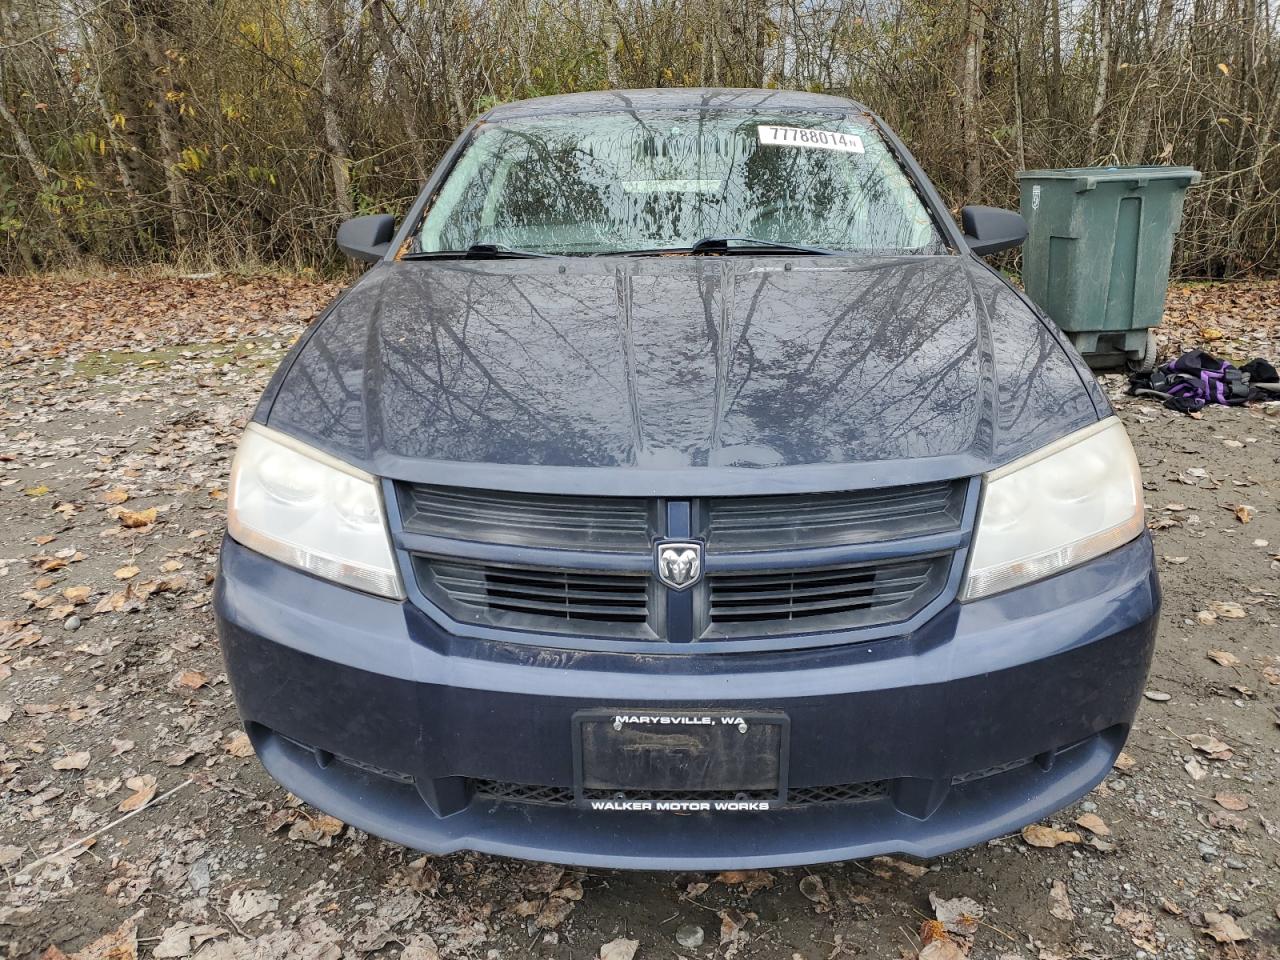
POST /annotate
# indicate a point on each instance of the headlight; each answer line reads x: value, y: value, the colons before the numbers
x: 1072, y: 501
x: 311, y: 511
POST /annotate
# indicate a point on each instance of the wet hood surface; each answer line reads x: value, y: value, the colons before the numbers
x: 679, y: 364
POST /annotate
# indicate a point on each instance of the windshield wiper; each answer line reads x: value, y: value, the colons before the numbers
x: 753, y: 245
x: 477, y: 251
x: 731, y: 245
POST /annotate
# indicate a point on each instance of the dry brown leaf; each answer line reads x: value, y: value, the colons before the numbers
x: 1210, y: 745
x: 1223, y: 928
x: 72, y: 761
x: 553, y: 913
x: 1094, y: 824
x: 77, y: 595
x: 941, y: 950
x: 813, y: 889
x: 191, y: 679
x: 1060, y: 902
x: 127, y: 573
x: 1243, y: 513
x: 749, y: 880
x: 1038, y: 835
x: 143, y: 787
x: 115, y: 495
x: 1224, y: 659
x: 1231, y: 801
x: 619, y: 949
x: 1124, y: 762
x: 134, y: 519
x: 959, y: 914
x: 238, y: 745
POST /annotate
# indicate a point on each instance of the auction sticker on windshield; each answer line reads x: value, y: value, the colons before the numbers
x: 813, y: 139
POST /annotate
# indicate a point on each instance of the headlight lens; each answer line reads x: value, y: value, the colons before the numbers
x: 311, y: 511
x: 1070, y: 502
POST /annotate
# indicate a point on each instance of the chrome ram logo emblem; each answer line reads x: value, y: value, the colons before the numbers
x: 679, y: 563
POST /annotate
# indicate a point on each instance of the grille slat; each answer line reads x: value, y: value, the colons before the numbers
x: 812, y: 599
x: 536, y: 598
x: 613, y: 524
x: 827, y: 519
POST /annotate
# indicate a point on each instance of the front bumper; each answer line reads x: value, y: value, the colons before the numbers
x: 990, y: 716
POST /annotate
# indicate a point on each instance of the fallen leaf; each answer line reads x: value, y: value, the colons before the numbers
x: 1224, y: 659
x: 813, y: 889
x: 182, y: 939
x: 1223, y: 928
x: 246, y: 905
x: 238, y: 745
x: 127, y: 573
x: 72, y: 761
x: 1060, y: 902
x: 1124, y: 762
x: 958, y: 915
x: 1094, y: 824
x: 420, y: 947
x: 731, y: 923
x: 39, y: 491
x: 77, y: 594
x: 1195, y: 769
x: 554, y: 912
x: 1212, y: 746
x: 1228, y: 609
x: 619, y: 949
x: 139, y: 518
x: 191, y: 679
x: 115, y: 495
x: 1038, y: 835
x: 1243, y: 513
x: 941, y: 950
x: 143, y: 787
x: 913, y: 870
x: 750, y: 880
x: 1232, y: 801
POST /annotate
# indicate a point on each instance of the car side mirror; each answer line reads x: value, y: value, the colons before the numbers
x: 990, y: 229
x: 367, y: 238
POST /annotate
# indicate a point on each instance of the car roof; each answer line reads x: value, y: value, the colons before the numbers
x: 674, y: 98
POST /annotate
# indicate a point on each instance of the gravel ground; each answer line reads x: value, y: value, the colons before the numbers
x: 120, y: 404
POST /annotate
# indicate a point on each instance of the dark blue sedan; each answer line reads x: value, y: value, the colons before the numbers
x: 679, y: 489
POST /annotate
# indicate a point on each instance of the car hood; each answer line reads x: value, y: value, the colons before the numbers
x: 654, y: 373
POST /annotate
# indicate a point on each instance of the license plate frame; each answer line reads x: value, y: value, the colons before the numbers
x: 630, y: 759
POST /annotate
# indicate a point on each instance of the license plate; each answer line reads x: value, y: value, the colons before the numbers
x: 686, y: 761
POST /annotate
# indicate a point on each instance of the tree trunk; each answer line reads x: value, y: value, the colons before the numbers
x: 975, y: 26
x: 1104, y: 72
x: 175, y: 186
x: 1160, y: 37
x: 38, y: 170
x: 330, y: 89
x: 398, y: 87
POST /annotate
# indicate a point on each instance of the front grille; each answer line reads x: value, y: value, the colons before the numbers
x: 827, y: 519
x: 840, y: 793
x: 493, y: 516
x: 775, y: 566
x: 522, y: 792
x: 811, y: 598
x: 537, y: 597
x: 796, y: 796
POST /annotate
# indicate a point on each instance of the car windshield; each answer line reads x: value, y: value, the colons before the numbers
x: 610, y: 183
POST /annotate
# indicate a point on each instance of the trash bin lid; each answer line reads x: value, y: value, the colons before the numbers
x: 1089, y: 177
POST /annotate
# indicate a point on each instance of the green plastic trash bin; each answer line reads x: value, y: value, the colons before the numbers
x: 1097, y: 254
